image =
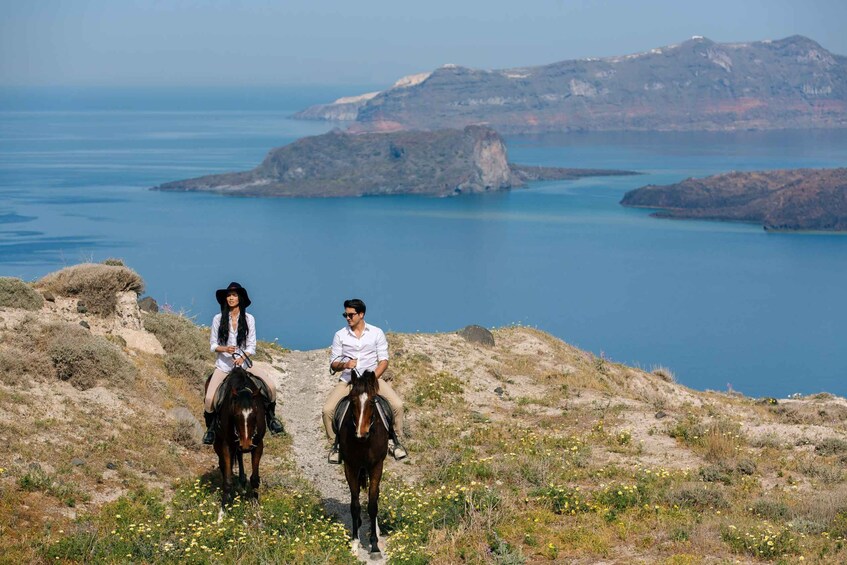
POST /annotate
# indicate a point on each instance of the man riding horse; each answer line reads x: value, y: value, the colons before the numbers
x: 361, y: 347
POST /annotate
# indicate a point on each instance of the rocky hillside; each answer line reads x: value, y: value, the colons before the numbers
x: 523, y: 449
x: 695, y: 85
x: 788, y: 200
x: 438, y: 163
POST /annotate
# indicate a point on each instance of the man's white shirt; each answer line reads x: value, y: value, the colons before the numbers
x: 369, y: 349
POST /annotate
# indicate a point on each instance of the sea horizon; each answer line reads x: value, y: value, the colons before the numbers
x: 723, y: 305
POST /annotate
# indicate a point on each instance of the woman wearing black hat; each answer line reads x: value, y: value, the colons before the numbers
x: 233, y: 338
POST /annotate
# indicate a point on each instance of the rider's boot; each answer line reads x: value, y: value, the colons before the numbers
x: 209, y: 436
x: 334, y: 455
x: 397, y: 451
x: 273, y: 424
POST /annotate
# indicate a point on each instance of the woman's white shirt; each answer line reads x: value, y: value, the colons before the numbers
x: 225, y: 361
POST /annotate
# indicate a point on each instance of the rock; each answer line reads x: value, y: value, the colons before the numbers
x: 477, y: 334
x: 85, y: 324
x: 111, y: 466
x: 188, y: 432
x: 661, y: 414
x: 148, y: 304
x: 499, y: 391
x: 81, y: 307
x: 76, y: 462
x: 783, y: 200
x: 48, y: 296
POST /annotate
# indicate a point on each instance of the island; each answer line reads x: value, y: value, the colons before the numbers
x: 696, y: 85
x: 445, y: 162
x: 783, y: 200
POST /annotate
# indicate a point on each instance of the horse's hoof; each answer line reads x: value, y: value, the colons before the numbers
x: 354, y: 547
x: 375, y: 554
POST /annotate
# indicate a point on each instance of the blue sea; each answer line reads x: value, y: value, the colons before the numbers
x: 723, y: 305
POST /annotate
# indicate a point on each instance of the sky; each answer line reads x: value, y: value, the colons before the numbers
x: 373, y: 42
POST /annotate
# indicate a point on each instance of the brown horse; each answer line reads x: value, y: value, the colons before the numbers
x: 363, y: 444
x: 241, y: 429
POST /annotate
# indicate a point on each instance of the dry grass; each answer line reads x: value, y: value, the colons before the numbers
x: 664, y: 373
x: 95, y: 285
x: 15, y: 293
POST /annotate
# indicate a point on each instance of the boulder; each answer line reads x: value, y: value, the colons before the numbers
x: 148, y: 304
x: 477, y: 334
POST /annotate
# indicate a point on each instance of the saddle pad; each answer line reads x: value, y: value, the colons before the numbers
x: 382, y: 406
x: 219, y: 394
x: 340, y: 411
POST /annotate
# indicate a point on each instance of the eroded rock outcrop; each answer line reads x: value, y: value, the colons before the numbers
x: 435, y: 163
x: 786, y: 200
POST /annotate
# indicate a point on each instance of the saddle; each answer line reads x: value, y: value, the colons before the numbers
x: 219, y: 394
x: 383, y: 408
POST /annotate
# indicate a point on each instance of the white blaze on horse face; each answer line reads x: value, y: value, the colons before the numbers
x: 363, y: 398
x: 246, y: 413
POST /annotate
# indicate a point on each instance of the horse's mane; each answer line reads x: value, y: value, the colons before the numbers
x: 366, y: 383
x: 240, y: 382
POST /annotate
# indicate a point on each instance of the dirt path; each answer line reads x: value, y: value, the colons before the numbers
x: 305, y: 383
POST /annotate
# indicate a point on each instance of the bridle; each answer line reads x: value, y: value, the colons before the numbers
x: 239, y: 396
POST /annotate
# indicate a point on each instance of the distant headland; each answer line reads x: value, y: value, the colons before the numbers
x: 787, y: 200
x: 695, y: 85
x: 446, y: 162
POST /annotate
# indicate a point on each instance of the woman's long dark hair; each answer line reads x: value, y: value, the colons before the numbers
x: 223, y: 328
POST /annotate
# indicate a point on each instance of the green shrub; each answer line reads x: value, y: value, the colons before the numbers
x: 15, y: 293
x: 697, y: 496
x: 761, y: 541
x: 831, y: 446
x: 192, y: 370
x: 563, y: 500
x: 179, y: 335
x: 84, y: 359
x: 715, y: 474
x: 770, y: 509
x: 36, y: 479
x: 23, y: 365
x: 95, y: 285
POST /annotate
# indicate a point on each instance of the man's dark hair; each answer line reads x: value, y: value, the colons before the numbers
x: 356, y: 305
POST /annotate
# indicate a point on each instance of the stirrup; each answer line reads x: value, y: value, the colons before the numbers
x: 399, y: 452
x: 334, y: 455
x: 275, y: 426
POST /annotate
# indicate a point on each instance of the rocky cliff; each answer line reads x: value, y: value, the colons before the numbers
x: 436, y: 163
x: 695, y: 85
x: 800, y: 199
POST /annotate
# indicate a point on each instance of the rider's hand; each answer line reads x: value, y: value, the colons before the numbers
x: 230, y: 349
x: 351, y: 364
x: 238, y: 361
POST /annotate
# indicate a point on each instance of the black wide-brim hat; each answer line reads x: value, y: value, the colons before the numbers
x: 243, y: 299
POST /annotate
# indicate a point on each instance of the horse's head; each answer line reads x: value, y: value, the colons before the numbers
x: 246, y: 410
x: 363, y: 393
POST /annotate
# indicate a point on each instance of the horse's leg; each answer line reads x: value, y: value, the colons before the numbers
x: 373, y: 503
x: 355, y: 506
x: 254, y: 461
x: 225, y: 463
x: 242, y: 476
